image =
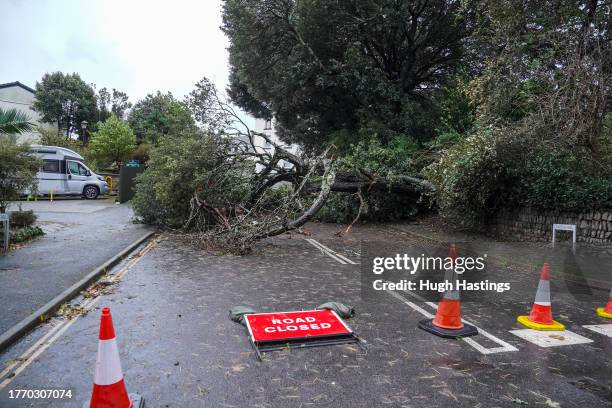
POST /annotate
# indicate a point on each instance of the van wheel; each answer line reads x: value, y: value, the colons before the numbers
x: 91, y: 192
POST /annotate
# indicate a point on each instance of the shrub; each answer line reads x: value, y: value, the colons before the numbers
x: 372, y: 157
x: 17, y: 171
x: 564, y: 180
x: 491, y: 170
x: 22, y: 218
x: 25, y: 234
x: 181, y: 166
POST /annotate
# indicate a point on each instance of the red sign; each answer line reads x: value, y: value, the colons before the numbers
x: 266, y: 327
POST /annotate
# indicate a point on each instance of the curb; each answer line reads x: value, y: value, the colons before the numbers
x: 17, y: 331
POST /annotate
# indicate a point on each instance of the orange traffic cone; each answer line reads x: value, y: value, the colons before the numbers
x: 540, y: 317
x: 447, y: 322
x: 606, y: 311
x: 109, y: 388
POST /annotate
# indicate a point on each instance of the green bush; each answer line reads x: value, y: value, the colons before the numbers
x: 22, y: 218
x: 342, y: 208
x: 24, y: 234
x: 182, y: 167
x: 491, y: 170
x: 564, y: 180
x: 373, y: 158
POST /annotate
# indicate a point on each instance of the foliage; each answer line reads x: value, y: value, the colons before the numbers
x: 13, y: 121
x: 471, y: 174
x: 22, y: 218
x: 325, y: 66
x: 370, y: 158
x: 17, y: 171
x: 489, y: 171
x: 181, y: 165
x: 142, y: 153
x: 159, y: 115
x: 49, y: 137
x: 540, y: 136
x: 25, y: 234
x: 65, y: 99
x: 564, y: 180
x: 115, y: 103
x: 113, y: 142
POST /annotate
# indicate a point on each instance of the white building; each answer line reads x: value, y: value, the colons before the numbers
x: 267, y: 127
x: 15, y: 95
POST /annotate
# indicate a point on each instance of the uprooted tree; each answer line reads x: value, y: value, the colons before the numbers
x: 219, y: 184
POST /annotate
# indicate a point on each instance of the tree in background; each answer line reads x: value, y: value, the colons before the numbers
x: 65, y: 99
x: 17, y: 171
x: 113, y: 142
x: 542, y: 136
x: 112, y: 103
x: 323, y: 66
x: 159, y: 115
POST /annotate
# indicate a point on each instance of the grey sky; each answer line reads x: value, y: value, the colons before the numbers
x: 138, y: 47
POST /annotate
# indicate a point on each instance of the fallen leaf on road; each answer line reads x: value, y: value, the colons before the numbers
x: 557, y: 336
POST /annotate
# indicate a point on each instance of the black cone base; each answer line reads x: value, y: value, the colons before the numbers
x: 466, y: 331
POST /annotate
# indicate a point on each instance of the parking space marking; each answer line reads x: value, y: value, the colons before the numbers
x: 504, y: 346
x: 338, y: 257
x: 14, y: 368
x: 605, y: 329
x: 549, y: 338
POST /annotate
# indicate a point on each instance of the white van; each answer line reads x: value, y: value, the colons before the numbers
x: 64, y: 172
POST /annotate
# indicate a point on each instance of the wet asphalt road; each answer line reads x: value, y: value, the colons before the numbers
x: 179, y: 349
x: 80, y: 235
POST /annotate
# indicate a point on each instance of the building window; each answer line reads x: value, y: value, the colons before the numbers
x: 268, y: 125
x: 51, y: 166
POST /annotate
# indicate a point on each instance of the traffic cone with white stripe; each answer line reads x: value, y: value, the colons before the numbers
x: 447, y: 322
x: 540, y: 317
x: 109, y: 388
x: 606, y: 311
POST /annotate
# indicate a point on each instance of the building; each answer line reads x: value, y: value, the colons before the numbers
x: 267, y: 127
x: 15, y: 95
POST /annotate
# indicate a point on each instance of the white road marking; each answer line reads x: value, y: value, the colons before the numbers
x: 505, y: 346
x: 340, y: 258
x: 605, y: 329
x: 27, y: 357
x: 325, y: 251
x: 550, y: 338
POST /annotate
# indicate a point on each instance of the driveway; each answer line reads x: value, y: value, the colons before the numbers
x: 79, y: 236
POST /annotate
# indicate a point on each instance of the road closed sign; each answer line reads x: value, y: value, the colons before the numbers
x: 293, y: 326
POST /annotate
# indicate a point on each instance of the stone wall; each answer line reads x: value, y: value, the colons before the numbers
x: 531, y: 225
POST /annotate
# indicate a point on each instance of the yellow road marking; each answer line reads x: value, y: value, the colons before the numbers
x: 50, y: 337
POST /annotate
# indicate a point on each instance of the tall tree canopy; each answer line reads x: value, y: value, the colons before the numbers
x: 112, y: 103
x: 158, y: 115
x: 321, y: 66
x: 65, y: 99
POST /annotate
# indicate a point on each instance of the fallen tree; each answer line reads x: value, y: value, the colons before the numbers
x: 234, y: 192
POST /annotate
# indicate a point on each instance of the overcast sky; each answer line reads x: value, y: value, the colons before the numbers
x: 138, y: 47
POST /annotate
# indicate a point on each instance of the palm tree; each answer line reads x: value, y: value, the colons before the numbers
x: 13, y: 121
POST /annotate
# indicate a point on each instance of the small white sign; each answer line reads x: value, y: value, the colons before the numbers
x: 549, y: 338
x: 4, y: 217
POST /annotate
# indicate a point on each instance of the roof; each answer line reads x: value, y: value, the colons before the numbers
x: 19, y: 84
